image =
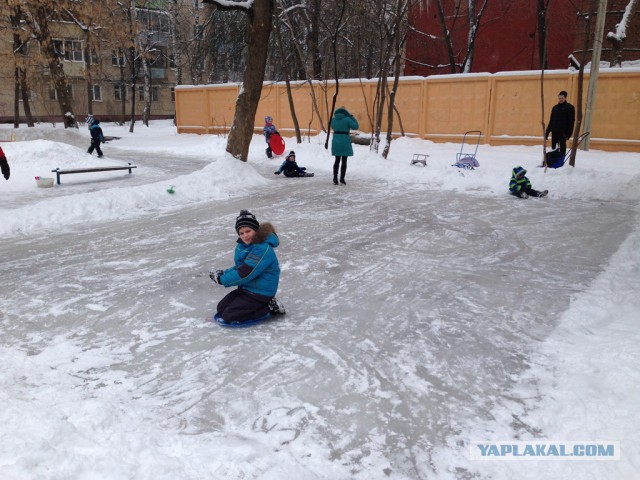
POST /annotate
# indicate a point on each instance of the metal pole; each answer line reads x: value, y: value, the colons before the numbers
x: 595, y: 69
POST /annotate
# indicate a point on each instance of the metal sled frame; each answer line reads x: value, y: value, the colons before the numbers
x: 462, y: 154
x: 419, y: 159
x: 580, y: 140
x: 568, y: 154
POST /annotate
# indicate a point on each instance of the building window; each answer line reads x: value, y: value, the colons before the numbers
x: 73, y: 51
x: 120, y: 92
x: 53, y: 93
x: 155, y: 93
x: 69, y: 50
x: 58, y: 46
x: 96, y: 93
x: 117, y: 59
x: 92, y: 58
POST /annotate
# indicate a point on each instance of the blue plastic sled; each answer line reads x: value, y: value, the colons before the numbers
x: 555, y: 158
x: 220, y: 321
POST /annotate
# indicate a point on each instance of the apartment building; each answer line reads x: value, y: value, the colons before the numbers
x: 97, y: 68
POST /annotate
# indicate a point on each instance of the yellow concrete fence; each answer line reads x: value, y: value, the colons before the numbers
x: 505, y: 107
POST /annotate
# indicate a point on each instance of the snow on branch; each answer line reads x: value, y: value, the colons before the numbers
x: 246, y: 4
x: 621, y: 28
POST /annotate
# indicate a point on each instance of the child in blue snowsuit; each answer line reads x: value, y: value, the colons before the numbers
x: 268, y: 130
x: 256, y: 273
x: 520, y: 186
x: 96, y: 137
x: 290, y: 167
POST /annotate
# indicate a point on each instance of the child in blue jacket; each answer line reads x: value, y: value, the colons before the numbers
x: 256, y: 273
x: 520, y: 186
x: 96, y: 137
x: 291, y: 168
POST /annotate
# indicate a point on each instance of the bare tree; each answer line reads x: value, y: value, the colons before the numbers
x: 21, y: 85
x: 618, y: 37
x: 398, y: 36
x: 258, y: 32
x: 448, y: 21
x: 583, y: 62
x: 285, y: 70
x: 334, y: 42
x: 37, y: 15
x: 287, y: 18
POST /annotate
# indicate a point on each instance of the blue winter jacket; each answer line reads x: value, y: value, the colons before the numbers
x: 256, y: 266
x: 518, y: 184
x: 96, y: 132
x: 341, y: 124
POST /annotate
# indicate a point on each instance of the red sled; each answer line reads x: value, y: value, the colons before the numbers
x: 276, y: 143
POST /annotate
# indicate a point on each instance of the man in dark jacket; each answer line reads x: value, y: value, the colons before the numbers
x: 563, y: 116
x: 96, y: 137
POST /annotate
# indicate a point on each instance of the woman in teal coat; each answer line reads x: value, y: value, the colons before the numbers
x: 341, y: 148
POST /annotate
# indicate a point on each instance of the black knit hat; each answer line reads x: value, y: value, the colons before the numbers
x: 246, y: 219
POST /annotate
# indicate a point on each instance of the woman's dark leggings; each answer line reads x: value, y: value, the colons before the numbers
x: 336, y: 164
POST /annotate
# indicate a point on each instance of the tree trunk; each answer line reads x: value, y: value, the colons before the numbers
x: 146, y: 75
x: 583, y: 62
x: 542, y: 32
x: 334, y: 45
x: 285, y: 71
x: 399, y: 42
x: 43, y: 35
x: 89, y: 95
x: 447, y: 36
x: 258, y: 32
x: 313, y: 38
x: 133, y: 74
x: 20, y: 74
x: 308, y: 73
x: 26, y: 105
x: 16, y: 98
x: 618, y: 37
x: 123, y: 86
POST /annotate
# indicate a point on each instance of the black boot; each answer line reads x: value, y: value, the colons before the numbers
x: 342, y: 181
x: 335, y: 180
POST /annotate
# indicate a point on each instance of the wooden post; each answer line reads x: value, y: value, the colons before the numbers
x: 595, y: 69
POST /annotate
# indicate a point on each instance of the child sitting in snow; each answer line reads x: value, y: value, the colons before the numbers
x: 291, y: 168
x: 256, y: 273
x: 520, y: 186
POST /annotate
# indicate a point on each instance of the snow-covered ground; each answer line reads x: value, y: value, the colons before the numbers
x: 427, y: 309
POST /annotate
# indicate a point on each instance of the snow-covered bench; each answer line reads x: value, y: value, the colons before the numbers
x: 59, y: 172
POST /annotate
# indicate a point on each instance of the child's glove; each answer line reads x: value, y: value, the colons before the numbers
x: 215, y: 276
x: 276, y: 173
x: 4, y: 167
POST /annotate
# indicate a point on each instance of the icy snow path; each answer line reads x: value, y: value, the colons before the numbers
x: 410, y: 313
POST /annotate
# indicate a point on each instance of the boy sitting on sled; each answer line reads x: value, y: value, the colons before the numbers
x: 256, y: 273
x: 291, y: 168
x: 520, y: 186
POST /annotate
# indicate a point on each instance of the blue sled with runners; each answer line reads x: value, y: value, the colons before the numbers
x: 220, y: 321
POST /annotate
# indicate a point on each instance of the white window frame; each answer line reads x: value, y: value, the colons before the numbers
x: 54, y: 91
x: 155, y: 93
x: 96, y: 89
x: 118, y: 60
x: 120, y: 91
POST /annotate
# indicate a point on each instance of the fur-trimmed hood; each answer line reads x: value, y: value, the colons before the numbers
x: 267, y: 233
